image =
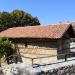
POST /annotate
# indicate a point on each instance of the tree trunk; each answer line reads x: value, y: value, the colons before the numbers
x: 0, y: 62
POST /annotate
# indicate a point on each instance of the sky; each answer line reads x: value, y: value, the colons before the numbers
x: 47, y: 11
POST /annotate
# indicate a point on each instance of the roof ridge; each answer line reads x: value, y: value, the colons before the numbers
x: 41, y: 25
x: 66, y: 28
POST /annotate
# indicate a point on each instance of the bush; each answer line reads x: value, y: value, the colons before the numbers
x: 5, y: 47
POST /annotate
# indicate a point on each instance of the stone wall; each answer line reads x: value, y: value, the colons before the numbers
x: 35, y: 49
x: 67, y: 70
x: 41, y: 47
x: 22, y: 69
x: 64, y: 45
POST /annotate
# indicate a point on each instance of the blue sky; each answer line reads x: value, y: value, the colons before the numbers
x: 48, y: 11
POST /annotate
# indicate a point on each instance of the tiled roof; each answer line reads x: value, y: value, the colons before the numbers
x: 73, y: 25
x: 48, y: 31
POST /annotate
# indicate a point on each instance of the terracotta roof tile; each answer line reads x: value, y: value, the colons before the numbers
x: 73, y: 24
x: 49, y: 31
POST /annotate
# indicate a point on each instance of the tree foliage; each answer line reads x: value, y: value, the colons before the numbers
x: 17, y: 18
x: 5, y: 47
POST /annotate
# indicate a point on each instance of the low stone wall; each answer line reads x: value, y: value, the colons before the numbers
x: 67, y: 70
x: 63, y: 68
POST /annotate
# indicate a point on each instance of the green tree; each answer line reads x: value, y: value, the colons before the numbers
x: 17, y: 18
x: 21, y: 18
x: 5, y: 19
x: 5, y: 47
x: 35, y: 21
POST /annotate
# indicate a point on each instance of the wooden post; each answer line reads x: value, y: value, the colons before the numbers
x: 32, y: 62
x: 65, y: 57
